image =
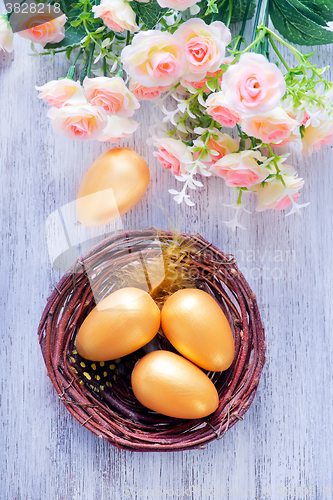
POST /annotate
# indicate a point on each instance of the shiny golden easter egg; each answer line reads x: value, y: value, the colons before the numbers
x: 171, y: 385
x: 120, y: 324
x: 114, y: 183
x: 197, y: 327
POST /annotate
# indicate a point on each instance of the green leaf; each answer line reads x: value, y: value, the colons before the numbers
x: 309, y: 13
x: 148, y: 13
x: 76, y: 23
x: 239, y: 9
x: 73, y: 36
x: 296, y: 27
x: 323, y: 7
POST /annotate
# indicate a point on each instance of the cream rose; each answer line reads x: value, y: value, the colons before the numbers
x: 253, y: 85
x: 143, y: 93
x: 177, y: 4
x: 204, y: 47
x: 275, y: 194
x: 220, y: 145
x: 273, y: 126
x: 6, y: 35
x: 43, y: 28
x: 59, y: 92
x: 118, y: 128
x: 116, y: 15
x: 171, y: 154
x: 154, y: 58
x: 112, y: 95
x: 221, y: 111
x: 314, y: 137
x: 83, y: 123
x: 242, y: 169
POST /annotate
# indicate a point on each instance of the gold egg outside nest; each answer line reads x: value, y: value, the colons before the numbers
x: 114, y: 183
x: 197, y: 327
x: 121, y: 323
x: 171, y: 385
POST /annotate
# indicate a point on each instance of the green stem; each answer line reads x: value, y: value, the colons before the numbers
x: 278, y: 53
x: 205, y: 146
x: 90, y: 58
x: 296, y: 52
x: 241, y: 33
x: 278, y: 171
x: 266, y: 21
x: 128, y: 37
x: 71, y: 70
x: 260, y: 37
x: 242, y: 139
x: 229, y: 14
x: 104, y: 66
x: 239, y: 201
x: 87, y: 67
x: 256, y: 21
x: 219, y: 14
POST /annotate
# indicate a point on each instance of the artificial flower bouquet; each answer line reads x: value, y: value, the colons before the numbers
x: 227, y: 108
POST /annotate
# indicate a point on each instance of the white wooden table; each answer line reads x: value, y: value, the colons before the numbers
x: 283, y: 447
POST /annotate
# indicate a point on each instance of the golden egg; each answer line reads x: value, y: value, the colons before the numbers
x: 170, y: 384
x: 114, y: 183
x: 120, y: 324
x: 197, y: 327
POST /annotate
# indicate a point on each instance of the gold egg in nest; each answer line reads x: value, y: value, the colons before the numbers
x: 99, y: 394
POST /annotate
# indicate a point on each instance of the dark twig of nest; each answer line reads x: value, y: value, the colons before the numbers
x: 99, y: 395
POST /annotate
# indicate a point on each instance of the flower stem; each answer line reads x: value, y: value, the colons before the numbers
x: 242, y: 139
x: 87, y: 67
x: 278, y: 53
x: 256, y: 21
x: 227, y: 23
x: 71, y: 70
x: 241, y: 33
x: 239, y: 201
x: 265, y: 22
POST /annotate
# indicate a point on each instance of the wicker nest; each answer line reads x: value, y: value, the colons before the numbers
x: 99, y: 395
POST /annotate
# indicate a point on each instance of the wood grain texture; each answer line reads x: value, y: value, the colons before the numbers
x: 282, y: 448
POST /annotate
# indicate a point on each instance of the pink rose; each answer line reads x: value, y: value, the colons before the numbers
x: 117, y: 129
x: 111, y: 94
x: 277, y: 195
x: 59, y: 92
x: 314, y: 137
x: 116, y: 15
x: 221, y: 111
x: 220, y: 145
x: 202, y: 83
x: 204, y: 47
x: 154, y: 58
x: 143, y: 93
x: 242, y: 169
x: 273, y: 126
x: 177, y: 4
x: 6, y: 35
x: 83, y: 123
x: 43, y: 28
x: 253, y: 85
x: 171, y: 154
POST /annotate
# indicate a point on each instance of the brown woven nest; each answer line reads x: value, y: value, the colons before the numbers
x: 99, y: 395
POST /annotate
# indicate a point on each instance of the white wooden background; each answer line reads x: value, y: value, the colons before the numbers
x: 283, y: 447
